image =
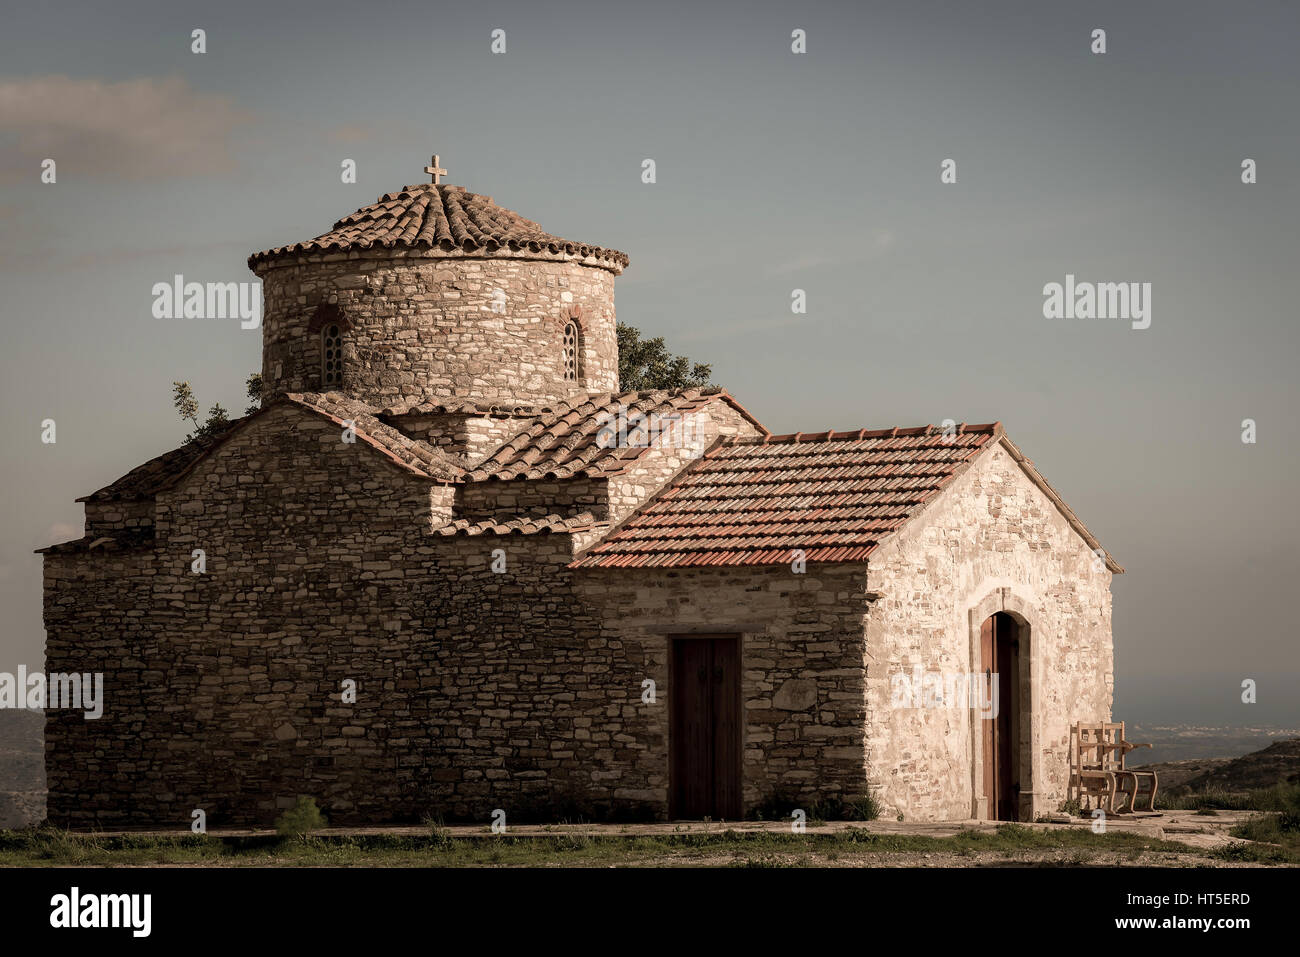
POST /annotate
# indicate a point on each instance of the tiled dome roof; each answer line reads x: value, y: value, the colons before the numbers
x: 450, y: 218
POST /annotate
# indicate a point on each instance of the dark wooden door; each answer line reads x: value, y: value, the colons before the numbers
x: 1000, y: 659
x: 705, y: 729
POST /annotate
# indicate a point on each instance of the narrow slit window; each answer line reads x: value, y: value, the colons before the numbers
x: 331, y: 347
x: 572, y: 352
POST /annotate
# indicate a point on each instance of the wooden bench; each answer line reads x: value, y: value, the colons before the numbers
x: 1097, y: 769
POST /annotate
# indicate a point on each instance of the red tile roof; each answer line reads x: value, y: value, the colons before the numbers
x: 522, y: 525
x: 502, y: 410
x: 442, y: 217
x: 567, y: 442
x: 833, y: 495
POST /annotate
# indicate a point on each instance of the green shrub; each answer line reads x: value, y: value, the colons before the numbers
x: 301, y: 819
x: 1288, y: 818
x: 441, y: 837
x: 779, y: 807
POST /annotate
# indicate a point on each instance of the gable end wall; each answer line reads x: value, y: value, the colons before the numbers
x: 992, y: 529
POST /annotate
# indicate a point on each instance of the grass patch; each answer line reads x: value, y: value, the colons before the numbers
x: 1282, y: 798
x: 50, y: 846
x: 780, y: 808
x: 1276, y: 834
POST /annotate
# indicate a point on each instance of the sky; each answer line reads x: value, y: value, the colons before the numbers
x: 775, y: 171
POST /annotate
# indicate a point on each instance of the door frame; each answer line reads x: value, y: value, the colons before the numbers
x: 738, y: 710
x: 1000, y: 735
x: 1008, y: 599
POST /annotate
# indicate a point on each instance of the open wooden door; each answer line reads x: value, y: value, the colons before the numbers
x: 704, y: 735
x: 1000, y: 663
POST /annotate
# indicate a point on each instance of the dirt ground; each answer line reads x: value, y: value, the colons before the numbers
x: 1163, y: 839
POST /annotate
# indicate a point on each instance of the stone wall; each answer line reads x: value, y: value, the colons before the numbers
x: 991, y: 542
x: 802, y: 651
x: 114, y: 516
x: 424, y: 326
x: 474, y: 690
x: 223, y: 688
x: 534, y: 708
x: 100, y: 617
x: 503, y: 500
x: 471, y: 437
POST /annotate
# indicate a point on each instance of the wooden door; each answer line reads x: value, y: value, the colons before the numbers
x: 705, y: 729
x: 1000, y: 660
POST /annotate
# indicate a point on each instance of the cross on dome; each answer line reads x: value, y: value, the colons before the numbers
x: 435, y: 170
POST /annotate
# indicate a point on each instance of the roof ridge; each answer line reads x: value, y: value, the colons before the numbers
x: 857, y: 435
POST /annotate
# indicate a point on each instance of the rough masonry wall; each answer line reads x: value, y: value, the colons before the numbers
x: 992, y: 529
x: 481, y: 329
x: 115, y: 516
x: 801, y: 653
x: 503, y: 500
x: 98, y: 620
x: 535, y: 709
x: 475, y: 690
x: 223, y: 688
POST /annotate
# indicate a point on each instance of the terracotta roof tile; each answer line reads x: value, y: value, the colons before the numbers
x: 567, y: 442
x: 834, y: 496
x: 522, y: 525
x: 503, y: 410
x: 413, y: 454
x: 447, y: 218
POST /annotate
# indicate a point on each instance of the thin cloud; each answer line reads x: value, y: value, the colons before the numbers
x: 148, y: 128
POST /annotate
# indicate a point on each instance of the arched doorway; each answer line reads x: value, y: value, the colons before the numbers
x: 1000, y: 724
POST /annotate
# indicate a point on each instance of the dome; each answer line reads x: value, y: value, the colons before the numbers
x: 435, y: 294
x: 430, y: 218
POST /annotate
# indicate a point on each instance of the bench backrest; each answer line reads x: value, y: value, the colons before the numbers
x: 1096, y: 746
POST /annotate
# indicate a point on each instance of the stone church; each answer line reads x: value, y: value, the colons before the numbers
x: 448, y: 568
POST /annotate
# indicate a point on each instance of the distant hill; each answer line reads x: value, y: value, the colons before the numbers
x: 22, y: 767
x: 1187, y: 742
x: 1280, y: 761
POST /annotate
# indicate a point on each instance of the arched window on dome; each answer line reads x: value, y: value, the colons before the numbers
x: 331, y: 356
x: 328, y: 324
x: 572, y: 352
